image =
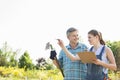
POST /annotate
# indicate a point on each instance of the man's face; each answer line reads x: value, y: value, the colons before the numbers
x: 73, y: 37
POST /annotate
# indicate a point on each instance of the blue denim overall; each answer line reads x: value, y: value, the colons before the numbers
x: 95, y: 72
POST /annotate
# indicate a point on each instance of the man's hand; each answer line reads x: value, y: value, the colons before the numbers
x: 53, y: 54
x: 60, y: 43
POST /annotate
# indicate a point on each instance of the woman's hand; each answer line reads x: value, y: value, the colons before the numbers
x: 97, y: 62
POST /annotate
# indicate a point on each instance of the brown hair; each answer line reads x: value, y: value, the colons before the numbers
x: 99, y: 34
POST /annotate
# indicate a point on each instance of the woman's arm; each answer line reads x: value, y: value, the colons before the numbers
x: 112, y: 64
x: 69, y: 55
x: 110, y: 56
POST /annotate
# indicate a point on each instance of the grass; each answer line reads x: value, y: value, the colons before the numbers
x: 19, y: 74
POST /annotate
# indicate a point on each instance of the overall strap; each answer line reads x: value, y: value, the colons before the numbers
x: 103, y: 48
x: 91, y: 48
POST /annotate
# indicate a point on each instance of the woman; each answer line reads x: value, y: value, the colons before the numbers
x: 97, y: 70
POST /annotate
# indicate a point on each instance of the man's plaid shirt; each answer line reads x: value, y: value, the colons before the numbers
x: 73, y: 70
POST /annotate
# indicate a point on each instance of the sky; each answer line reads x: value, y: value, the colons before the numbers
x: 30, y: 24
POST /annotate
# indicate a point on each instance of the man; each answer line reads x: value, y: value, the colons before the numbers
x: 73, y: 70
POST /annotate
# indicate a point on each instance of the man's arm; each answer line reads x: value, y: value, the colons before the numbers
x: 68, y: 54
x: 55, y: 61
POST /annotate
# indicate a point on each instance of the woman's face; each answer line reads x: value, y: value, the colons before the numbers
x: 92, y: 39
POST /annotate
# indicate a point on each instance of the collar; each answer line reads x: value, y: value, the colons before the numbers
x: 79, y: 45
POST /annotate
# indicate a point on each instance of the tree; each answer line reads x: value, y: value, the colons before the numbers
x: 42, y: 63
x: 25, y: 61
x: 13, y: 61
x: 8, y: 56
x: 3, y: 60
x: 115, y: 47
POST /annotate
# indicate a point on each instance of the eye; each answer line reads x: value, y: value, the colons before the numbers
x: 89, y: 37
